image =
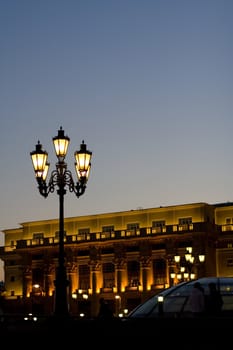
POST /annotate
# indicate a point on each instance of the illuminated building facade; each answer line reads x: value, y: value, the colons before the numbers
x: 124, y: 257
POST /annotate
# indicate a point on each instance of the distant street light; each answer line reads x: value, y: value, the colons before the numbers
x: 184, y: 265
x: 62, y: 179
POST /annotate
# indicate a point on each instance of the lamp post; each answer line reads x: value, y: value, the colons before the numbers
x: 61, y: 178
x: 118, y: 305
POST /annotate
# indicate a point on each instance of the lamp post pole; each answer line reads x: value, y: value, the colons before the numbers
x: 61, y: 282
x: 61, y: 178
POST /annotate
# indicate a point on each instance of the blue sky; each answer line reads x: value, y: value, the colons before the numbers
x: 147, y: 84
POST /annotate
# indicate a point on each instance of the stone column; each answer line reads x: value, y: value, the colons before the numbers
x: 145, y: 265
x: 145, y: 268
x: 96, y: 282
x: 120, y: 267
x: 49, y: 272
x: 72, y: 275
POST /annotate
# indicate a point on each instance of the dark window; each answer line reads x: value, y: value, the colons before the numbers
x: 133, y: 248
x: 107, y: 251
x: 160, y: 223
x: 159, y: 271
x: 133, y: 268
x: 83, y: 231
x: 133, y: 226
x: 37, y: 276
x: 185, y: 221
x: 229, y: 262
x: 37, y: 256
x: 38, y: 235
x: 84, y: 277
x: 107, y: 228
x: 108, y: 275
x: 83, y: 252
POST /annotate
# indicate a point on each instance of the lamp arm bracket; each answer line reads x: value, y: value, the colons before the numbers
x: 61, y: 179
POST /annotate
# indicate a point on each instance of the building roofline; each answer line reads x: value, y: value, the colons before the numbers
x: 224, y: 204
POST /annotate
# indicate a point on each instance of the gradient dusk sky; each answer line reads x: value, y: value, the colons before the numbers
x: 147, y: 84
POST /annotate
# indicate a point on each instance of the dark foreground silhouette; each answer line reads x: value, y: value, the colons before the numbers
x: 181, y: 333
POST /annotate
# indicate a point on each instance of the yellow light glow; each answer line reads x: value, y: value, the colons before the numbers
x: 61, y: 143
x: 201, y: 257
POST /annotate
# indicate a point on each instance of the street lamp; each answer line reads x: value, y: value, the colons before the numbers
x: 62, y: 179
x: 184, y: 265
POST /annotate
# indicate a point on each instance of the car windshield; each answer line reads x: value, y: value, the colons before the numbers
x: 150, y: 306
x: 175, y: 298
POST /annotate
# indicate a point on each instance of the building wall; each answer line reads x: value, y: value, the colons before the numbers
x: 143, y: 257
